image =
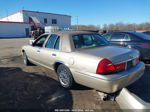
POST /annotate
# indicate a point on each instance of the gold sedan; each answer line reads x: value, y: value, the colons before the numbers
x: 85, y: 58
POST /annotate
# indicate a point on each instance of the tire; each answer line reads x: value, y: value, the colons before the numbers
x: 65, y: 77
x: 25, y: 59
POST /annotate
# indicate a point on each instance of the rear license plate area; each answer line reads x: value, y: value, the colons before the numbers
x: 129, y: 65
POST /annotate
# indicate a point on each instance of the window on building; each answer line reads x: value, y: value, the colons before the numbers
x: 45, y: 20
x: 54, y: 21
x: 30, y: 20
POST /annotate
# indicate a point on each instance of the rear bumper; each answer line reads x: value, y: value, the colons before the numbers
x: 110, y: 83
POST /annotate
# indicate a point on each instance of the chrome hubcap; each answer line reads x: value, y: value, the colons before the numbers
x: 24, y: 58
x: 63, y: 77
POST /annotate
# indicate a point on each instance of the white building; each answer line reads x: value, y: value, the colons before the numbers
x: 14, y: 29
x: 42, y: 18
x: 22, y: 22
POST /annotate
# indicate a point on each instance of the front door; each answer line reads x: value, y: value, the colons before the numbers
x: 35, y: 51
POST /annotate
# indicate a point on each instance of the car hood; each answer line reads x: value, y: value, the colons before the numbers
x: 114, y: 53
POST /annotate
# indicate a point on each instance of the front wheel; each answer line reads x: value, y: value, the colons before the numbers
x: 65, y: 77
x: 25, y: 59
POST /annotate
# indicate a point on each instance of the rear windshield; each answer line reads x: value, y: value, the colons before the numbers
x: 148, y: 32
x: 89, y: 40
x: 142, y: 35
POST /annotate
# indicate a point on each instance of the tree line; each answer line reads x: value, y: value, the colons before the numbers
x: 117, y: 26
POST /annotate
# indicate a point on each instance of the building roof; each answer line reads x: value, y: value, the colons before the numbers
x: 45, y: 13
x: 36, y: 12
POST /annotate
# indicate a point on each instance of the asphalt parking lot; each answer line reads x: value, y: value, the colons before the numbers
x: 35, y: 87
x: 141, y: 88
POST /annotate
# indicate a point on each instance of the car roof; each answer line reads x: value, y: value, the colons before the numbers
x: 122, y: 32
x: 72, y: 32
x: 137, y: 34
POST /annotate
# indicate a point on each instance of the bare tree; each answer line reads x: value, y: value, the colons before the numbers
x: 117, y: 26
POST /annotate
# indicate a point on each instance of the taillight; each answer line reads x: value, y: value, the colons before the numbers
x: 105, y: 66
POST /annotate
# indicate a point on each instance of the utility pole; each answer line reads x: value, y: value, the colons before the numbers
x: 77, y: 22
x: 23, y: 8
x: 134, y: 27
x: 7, y: 15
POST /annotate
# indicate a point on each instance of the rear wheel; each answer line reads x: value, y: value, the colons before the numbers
x: 25, y: 59
x: 65, y: 77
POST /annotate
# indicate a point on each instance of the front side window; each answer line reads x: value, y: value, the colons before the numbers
x: 88, y: 40
x: 39, y: 42
x: 51, y: 42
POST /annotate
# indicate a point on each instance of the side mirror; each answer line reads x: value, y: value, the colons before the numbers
x: 31, y: 42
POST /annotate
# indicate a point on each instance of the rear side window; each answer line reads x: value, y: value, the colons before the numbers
x: 117, y: 37
x: 88, y: 40
x: 148, y: 32
x: 135, y: 38
x: 142, y: 35
x: 51, y: 42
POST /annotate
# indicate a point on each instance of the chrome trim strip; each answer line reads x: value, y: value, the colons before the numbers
x: 126, y: 61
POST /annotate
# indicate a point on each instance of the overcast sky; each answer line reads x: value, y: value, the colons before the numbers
x: 96, y: 12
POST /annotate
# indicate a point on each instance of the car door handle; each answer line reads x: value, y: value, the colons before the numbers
x: 53, y: 54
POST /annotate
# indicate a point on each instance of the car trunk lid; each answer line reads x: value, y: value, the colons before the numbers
x: 113, y: 53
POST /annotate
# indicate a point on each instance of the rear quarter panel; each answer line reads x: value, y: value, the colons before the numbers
x: 80, y: 62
